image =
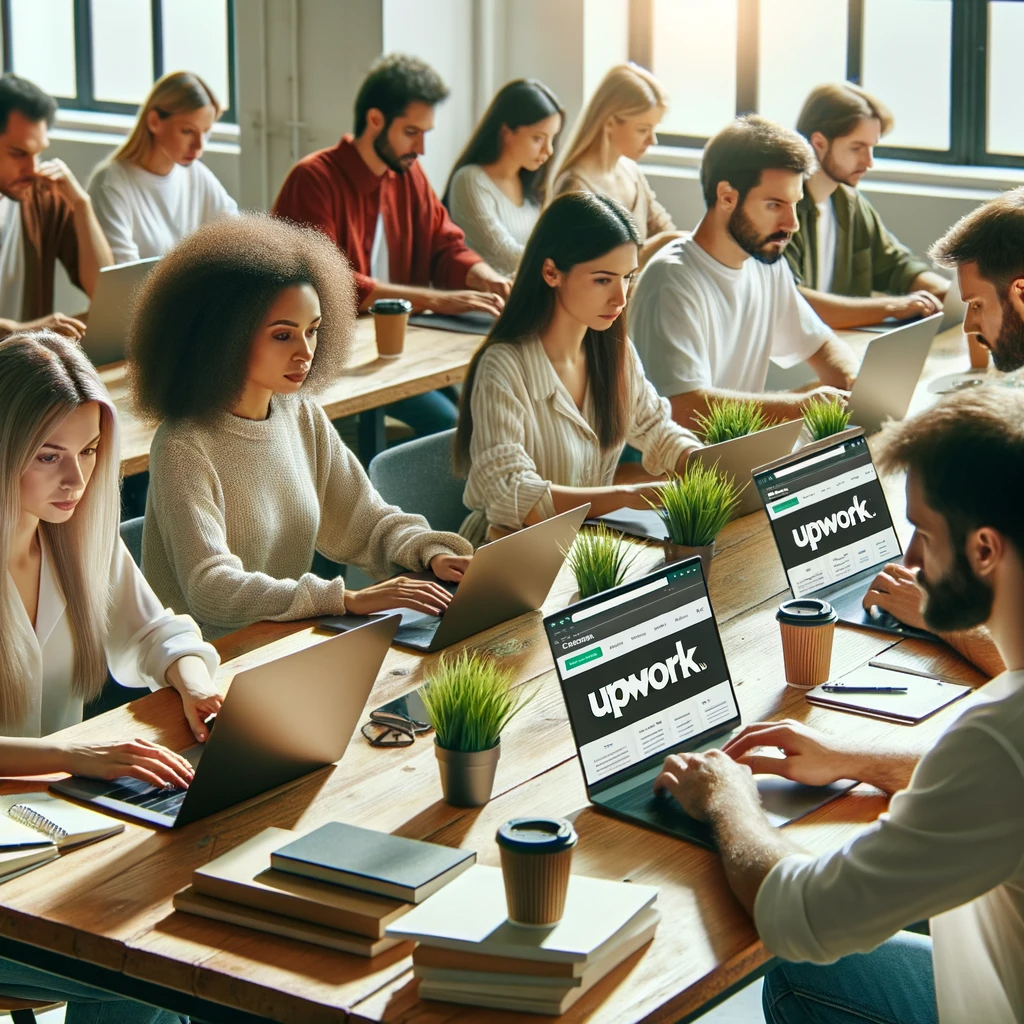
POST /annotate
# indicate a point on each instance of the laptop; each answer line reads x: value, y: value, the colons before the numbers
x: 832, y: 526
x: 279, y: 721
x: 506, y: 578
x: 644, y: 675
x: 889, y: 373
x: 736, y: 457
x: 111, y: 309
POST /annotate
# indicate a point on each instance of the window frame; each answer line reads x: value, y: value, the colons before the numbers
x: 968, y: 78
x: 84, y: 99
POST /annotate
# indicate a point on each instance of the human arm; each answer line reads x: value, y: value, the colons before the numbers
x: 834, y: 364
x: 476, y: 210
x: 896, y: 590
x: 59, y: 322
x: 779, y: 406
x: 92, y: 252
x: 114, y: 216
x: 843, y: 312
x: 929, y: 281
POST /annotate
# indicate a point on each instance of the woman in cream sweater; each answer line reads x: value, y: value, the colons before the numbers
x: 235, y: 330
x: 617, y: 127
x: 557, y: 389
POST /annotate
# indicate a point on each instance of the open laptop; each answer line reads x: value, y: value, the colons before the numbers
x: 832, y: 526
x: 279, y: 721
x: 644, y: 675
x: 506, y: 578
x: 111, y: 309
x: 889, y: 373
x: 736, y: 458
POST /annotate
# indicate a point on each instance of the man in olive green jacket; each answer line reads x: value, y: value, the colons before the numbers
x: 842, y: 253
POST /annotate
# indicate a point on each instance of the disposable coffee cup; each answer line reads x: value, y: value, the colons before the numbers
x: 390, y: 317
x: 808, y: 626
x: 536, y: 857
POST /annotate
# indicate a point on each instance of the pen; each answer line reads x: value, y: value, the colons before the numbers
x: 835, y: 688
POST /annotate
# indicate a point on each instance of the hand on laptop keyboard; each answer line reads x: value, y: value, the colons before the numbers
x: 399, y: 592
x: 895, y: 592
x: 137, y: 759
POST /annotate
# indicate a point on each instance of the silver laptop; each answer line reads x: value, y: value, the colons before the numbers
x: 506, y: 578
x: 889, y: 373
x: 111, y: 309
x: 736, y: 458
x: 279, y: 721
x: 644, y: 675
x: 832, y: 526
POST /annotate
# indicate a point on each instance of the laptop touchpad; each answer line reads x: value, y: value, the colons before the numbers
x: 785, y: 801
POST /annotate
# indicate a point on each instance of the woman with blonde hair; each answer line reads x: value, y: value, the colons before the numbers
x: 74, y: 606
x: 614, y: 131
x: 155, y: 189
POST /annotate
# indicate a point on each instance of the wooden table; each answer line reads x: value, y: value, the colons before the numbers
x: 432, y: 359
x: 104, y: 913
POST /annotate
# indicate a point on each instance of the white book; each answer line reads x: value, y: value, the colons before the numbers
x: 39, y: 819
x: 470, y: 914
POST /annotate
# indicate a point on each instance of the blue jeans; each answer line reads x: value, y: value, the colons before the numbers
x: 892, y: 984
x: 86, y: 1005
x: 427, y: 414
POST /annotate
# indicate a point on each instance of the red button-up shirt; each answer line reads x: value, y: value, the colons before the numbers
x: 335, y: 191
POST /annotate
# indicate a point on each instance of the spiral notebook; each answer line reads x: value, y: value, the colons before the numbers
x: 38, y: 819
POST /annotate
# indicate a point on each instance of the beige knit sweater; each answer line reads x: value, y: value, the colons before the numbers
x: 237, y: 507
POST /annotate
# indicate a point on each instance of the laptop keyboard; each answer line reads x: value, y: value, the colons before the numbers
x: 141, y: 794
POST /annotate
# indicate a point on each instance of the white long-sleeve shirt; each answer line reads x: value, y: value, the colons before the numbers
x: 145, y: 214
x: 951, y: 848
x: 143, y: 640
x: 528, y: 434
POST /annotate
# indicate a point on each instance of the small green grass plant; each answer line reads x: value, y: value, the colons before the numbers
x: 825, y: 417
x: 599, y: 559
x: 695, y: 507
x: 470, y: 700
x: 727, y: 418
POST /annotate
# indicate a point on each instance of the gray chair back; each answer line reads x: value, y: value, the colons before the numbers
x: 131, y: 534
x: 417, y: 476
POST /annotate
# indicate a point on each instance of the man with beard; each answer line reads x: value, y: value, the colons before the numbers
x: 951, y: 847
x: 45, y: 216
x: 370, y: 196
x: 843, y: 252
x: 711, y: 309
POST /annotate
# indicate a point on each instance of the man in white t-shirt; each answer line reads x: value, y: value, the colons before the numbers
x: 45, y: 216
x: 951, y: 846
x: 712, y: 309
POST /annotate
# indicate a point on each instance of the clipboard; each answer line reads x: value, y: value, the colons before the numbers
x: 925, y: 696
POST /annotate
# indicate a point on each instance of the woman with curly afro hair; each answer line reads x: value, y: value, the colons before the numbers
x: 234, y: 332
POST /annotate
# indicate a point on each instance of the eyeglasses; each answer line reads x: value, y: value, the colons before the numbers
x: 378, y: 734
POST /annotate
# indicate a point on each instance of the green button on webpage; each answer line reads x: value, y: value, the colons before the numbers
x: 783, y: 505
x: 581, y: 659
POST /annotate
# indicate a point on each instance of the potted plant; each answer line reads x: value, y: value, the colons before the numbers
x: 824, y: 417
x: 469, y: 701
x: 727, y: 418
x: 694, y: 508
x: 599, y: 559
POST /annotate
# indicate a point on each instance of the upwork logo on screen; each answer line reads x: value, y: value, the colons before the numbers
x: 613, y: 697
x: 810, y: 534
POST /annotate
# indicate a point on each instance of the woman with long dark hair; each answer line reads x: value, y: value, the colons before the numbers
x: 499, y: 183
x: 556, y: 390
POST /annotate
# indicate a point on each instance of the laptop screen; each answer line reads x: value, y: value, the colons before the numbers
x: 829, y: 516
x: 643, y: 672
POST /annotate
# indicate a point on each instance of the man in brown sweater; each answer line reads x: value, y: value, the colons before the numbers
x: 45, y: 216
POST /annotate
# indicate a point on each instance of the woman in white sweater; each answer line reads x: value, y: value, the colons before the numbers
x: 155, y: 188
x: 74, y: 606
x: 235, y: 330
x: 557, y: 389
x: 499, y: 184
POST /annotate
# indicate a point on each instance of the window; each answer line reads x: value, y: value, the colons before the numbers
x: 105, y: 54
x: 946, y: 68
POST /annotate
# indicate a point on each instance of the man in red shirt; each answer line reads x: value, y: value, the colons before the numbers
x: 370, y: 195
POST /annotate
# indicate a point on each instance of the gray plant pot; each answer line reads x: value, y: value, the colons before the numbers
x: 675, y: 552
x: 467, y: 777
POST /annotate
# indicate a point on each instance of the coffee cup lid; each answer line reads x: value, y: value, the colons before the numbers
x: 536, y: 835
x: 806, y: 611
x: 391, y: 306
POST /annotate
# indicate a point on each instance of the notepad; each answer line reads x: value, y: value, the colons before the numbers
x: 38, y: 819
x: 924, y: 697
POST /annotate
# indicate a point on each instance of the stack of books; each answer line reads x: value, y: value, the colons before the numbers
x: 339, y: 886
x: 469, y: 952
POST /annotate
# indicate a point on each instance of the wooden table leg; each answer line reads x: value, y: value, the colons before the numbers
x: 371, y: 434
